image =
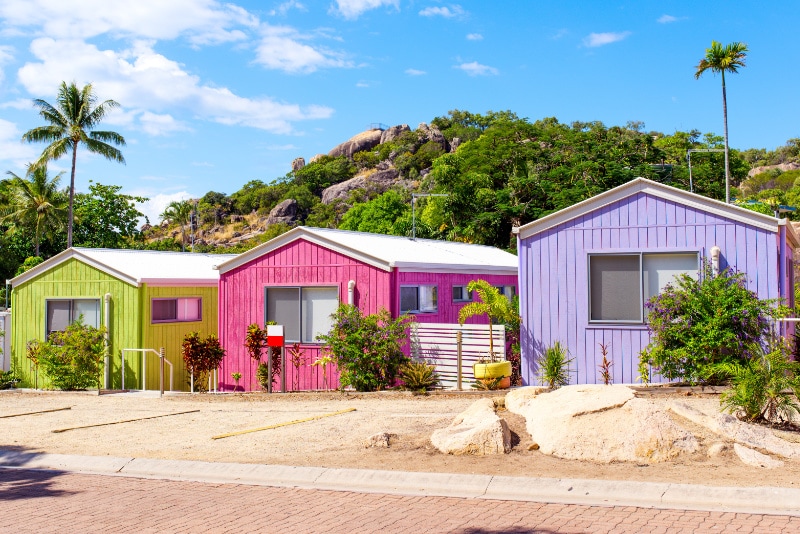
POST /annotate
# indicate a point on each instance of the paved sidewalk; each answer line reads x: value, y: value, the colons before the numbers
x: 753, y: 500
x: 34, y: 501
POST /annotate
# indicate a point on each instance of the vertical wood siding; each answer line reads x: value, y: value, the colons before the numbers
x: 300, y: 263
x: 553, y: 277
x: 170, y: 335
x: 73, y: 279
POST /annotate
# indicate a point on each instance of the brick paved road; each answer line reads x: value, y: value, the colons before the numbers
x: 46, y: 501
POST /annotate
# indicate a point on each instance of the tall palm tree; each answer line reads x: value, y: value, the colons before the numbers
x: 495, y: 305
x: 34, y: 203
x: 723, y: 59
x: 71, y: 122
x: 181, y: 213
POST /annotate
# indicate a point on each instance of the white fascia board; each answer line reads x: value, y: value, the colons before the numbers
x: 729, y: 211
x: 307, y: 235
x: 790, y: 232
x: 65, y: 256
x: 461, y: 269
x: 179, y: 282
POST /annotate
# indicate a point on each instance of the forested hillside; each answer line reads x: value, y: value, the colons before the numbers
x: 473, y: 177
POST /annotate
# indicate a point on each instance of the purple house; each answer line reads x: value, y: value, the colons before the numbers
x: 299, y: 279
x: 587, y: 270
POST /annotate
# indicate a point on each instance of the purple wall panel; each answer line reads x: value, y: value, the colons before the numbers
x: 554, y: 277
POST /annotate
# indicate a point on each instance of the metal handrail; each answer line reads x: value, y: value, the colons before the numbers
x: 144, y: 352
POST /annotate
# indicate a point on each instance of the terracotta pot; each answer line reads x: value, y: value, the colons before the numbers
x: 492, y: 370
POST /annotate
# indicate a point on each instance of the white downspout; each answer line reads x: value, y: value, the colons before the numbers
x: 715, y: 252
x: 351, y: 292
x: 107, y: 342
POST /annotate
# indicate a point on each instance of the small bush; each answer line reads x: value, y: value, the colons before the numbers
x: 202, y: 356
x: 764, y: 388
x: 419, y: 375
x: 367, y: 349
x: 73, y: 359
x: 7, y: 379
x: 554, y: 366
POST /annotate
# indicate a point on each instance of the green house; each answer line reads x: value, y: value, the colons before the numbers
x: 146, y: 300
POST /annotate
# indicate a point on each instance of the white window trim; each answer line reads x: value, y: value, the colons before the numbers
x: 300, y: 307
x: 469, y: 296
x: 173, y: 321
x: 640, y: 254
x: 47, y: 300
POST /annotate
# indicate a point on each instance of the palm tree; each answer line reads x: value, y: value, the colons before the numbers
x: 34, y: 203
x: 723, y: 59
x: 70, y: 123
x: 496, y: 306
x: 181, y: 213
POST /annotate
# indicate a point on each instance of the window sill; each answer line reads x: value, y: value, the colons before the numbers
x: 616, y: 326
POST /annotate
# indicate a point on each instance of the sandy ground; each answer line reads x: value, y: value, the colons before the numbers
x: 336, y: 441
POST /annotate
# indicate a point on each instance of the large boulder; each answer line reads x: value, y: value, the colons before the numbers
x: 284, y: 212
x: 783, y: 167
x: 582, y: 423
x: 392, y: 133
x: 363, y: 141
x: 376, y: 182
x: 432, y: 133
x: 754, y: 458
x: 298, y: 163
x: 477, y: 430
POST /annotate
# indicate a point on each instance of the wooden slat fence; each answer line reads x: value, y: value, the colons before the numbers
x: 437, y: 344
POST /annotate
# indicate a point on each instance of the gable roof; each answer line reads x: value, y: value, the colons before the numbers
x: 388, y: 252
x: 138, y: 267
x: 643, y: 185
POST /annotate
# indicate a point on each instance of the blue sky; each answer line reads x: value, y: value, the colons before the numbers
x: 215, y: 94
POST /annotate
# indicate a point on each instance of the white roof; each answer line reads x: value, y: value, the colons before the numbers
x: 138, y: 267
x: 388, y: 252
x: 730, y: 211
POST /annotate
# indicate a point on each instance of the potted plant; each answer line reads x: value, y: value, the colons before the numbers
x: 498, y: 309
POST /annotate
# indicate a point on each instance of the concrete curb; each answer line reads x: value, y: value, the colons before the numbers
x: 755, y: 500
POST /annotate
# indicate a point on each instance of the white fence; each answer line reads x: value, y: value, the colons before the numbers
x: 5, y: 341
x: 438, y: 343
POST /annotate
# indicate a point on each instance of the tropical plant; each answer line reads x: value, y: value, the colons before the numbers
x: 419, y: 375
x: 723, y: 59
x: 296, y: 359
x: 255, y: 342
x: 34, y: 203
x: 106, y: 218
x: 488, y: 384
x: 697, y: 323
x: 8, y: 379
x: 179, y: 212
x: 554, y: 365
x: 367, y: 349
x: 236, y: 377
x: 764, y: 388
x: 323, y: 362
x: 605, y: 365
x: 201, y: 356
x: 73, y: 358
x: 71, y: 122
x: 496, y: 306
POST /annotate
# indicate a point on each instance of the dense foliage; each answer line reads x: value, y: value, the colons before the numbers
x: 696, y: 324
x: 73, y: 359
x: 201, y: 355
x: 367, y: 349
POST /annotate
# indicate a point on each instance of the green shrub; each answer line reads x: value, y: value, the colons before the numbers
x: 554, y: 366
x: 764, y: 388
x: 73, y: 359
x: 696, y: 324
x: 419, y: 375
x: 201, y: 356
x: 366, y: 348
x: 7, y: 379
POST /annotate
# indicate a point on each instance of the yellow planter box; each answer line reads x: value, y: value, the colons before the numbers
x: 491, y: 370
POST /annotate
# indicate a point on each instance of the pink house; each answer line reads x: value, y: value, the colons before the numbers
x: 299, y: 278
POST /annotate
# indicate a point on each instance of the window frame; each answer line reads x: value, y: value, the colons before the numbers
x: 177, y: 303
x: 640, y: 254
x: 299, y: 308
x: 435, y: 287
x: 72, y: 318
x: 466, y: 295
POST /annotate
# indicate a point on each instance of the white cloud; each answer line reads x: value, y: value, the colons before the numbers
x: 352, y: 9
x: 476, y: 69
x: 142, y: 80
x: 415, y: 72
x: 201, y: 21
x: 600, y: 39
x: 15, y: 154
x: 362, y: 84
x: 154, y: 207
x: 285, y: 7
x: 666, y: 19
x: 281, y: 48
x: 161, y: 124
x: 6, y: 56
x: 474, y: 37
x: 446, y: 12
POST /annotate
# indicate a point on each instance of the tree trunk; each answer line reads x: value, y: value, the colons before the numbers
x: 725, y: 127
x: 71, y: 194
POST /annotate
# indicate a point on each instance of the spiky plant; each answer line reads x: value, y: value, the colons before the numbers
x: 419, y: 375
x: 554, y: 365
